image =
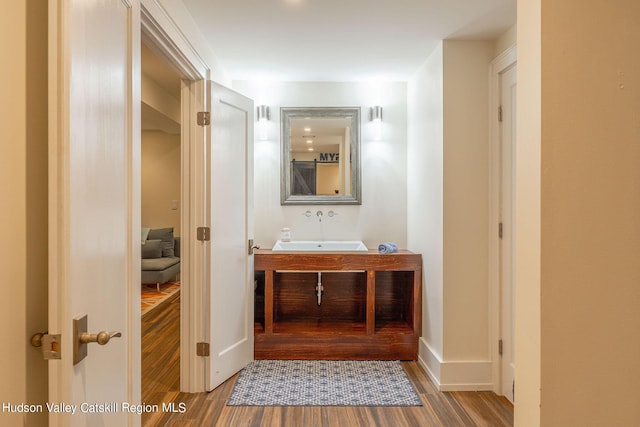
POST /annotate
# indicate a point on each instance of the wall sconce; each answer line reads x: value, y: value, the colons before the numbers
x: 375, y: 113
x: 375, y: 116
x: 262, y: 112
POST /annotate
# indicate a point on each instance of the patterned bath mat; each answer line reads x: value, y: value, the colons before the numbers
x: 323, y: 383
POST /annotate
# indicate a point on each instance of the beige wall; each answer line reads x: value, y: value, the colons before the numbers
x: 159, y: 99
x: 160, y: 180
x: 328, y: 179
x: 23, y: 219
x: 577, y: 272
x: 590, y: 283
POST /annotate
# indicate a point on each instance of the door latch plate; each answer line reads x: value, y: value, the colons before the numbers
x: 51, y: 347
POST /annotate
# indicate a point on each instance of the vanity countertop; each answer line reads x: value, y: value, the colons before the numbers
x: 266, y: 259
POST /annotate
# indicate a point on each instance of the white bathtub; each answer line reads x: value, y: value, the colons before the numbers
x: 320, y: 246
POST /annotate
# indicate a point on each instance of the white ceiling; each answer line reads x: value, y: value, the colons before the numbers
x: 340, y: 40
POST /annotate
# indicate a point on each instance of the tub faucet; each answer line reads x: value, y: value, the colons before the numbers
x: 319, y: 215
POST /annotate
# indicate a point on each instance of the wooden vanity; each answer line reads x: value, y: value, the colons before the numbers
x: 370, y: 305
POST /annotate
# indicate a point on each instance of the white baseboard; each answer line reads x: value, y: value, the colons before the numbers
x: 429, y: 361
x: 456, y: 375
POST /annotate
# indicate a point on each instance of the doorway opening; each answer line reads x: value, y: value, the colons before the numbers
x: 162, y: 258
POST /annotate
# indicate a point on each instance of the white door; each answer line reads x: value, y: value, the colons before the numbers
x: 94, y: 208
x: 508, y: 133
x: 229, y: 322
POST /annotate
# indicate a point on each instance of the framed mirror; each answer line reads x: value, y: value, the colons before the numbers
x: 320, y: 156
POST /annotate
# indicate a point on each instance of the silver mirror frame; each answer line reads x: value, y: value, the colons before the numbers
x: 287, y: 113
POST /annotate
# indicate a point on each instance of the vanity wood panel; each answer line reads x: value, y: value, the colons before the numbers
x: 343, y: 299
x: 371, y: 305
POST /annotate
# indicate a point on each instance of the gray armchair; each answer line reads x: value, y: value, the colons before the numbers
x: 160, y: 256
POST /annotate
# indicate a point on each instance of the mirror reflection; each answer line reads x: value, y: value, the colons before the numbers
x: 320, y: 155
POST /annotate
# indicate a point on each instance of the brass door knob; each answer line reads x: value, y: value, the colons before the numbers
x: 101, y: 337
x: 82, y: 338
x: 36, y: 339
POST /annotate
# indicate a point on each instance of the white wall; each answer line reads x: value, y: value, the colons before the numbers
x: 176, y: 13
x: 425, y: 173
x: 448, y: 207
x: 383, y: 213
x: 160, y: 177
x: 506, y: 40
x: 466, y: 199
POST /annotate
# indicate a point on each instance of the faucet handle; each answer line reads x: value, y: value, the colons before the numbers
x: 331, y: 214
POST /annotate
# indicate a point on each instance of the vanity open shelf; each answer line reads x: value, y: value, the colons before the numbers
x: 369, y: 306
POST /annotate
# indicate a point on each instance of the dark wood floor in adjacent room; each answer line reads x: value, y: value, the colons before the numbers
x: 161, y: 352
x: 161, y: 382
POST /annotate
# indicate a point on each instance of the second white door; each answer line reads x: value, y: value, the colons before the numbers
x: 508, y: 133
x: 229, y: 318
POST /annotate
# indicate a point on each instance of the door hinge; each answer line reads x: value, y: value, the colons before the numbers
x: 500, y: 113
x: 202, y: 349
x: 500, y: 230
x: 204, y: 118
x: 203, y: 234
x: 500, y: 347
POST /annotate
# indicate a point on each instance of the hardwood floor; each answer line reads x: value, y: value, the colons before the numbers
x: 161, y: 351
x: 161, y: 382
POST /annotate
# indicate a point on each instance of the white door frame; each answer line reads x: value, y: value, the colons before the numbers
x: 165, y: 38
x: 498, y: 66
